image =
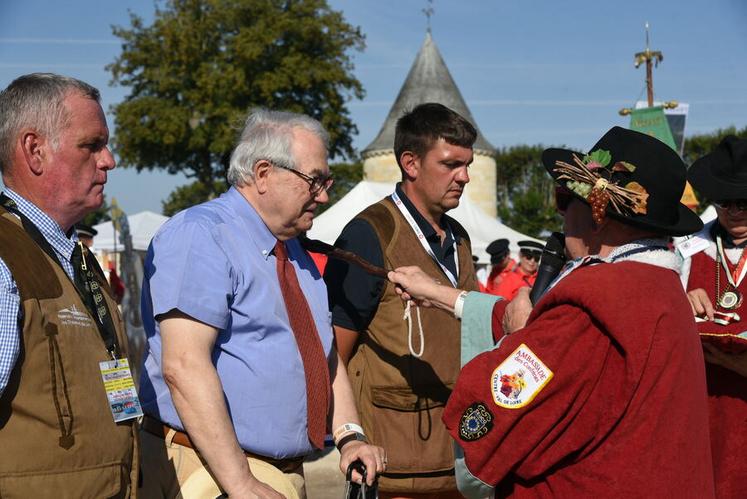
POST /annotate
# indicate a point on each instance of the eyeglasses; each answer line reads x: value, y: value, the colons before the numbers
x: 737, y: 204
x: 531, y: 255
x: 316, y: 184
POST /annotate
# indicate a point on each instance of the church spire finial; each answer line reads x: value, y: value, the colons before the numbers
x: 428, y: 11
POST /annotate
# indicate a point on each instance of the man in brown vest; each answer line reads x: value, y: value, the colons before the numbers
x: 58, y: 321
x: 402, y: 373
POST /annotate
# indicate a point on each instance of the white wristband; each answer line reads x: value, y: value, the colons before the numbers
x: 345, y: 429
x: 459, y: 305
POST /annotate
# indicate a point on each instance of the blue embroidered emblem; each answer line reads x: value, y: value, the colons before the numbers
x: 476, y: 422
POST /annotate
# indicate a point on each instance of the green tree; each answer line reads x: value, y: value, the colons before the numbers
x: 526, y: 193
x: 195, y: 72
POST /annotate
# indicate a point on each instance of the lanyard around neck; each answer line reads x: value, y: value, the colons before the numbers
x: 735, y: 277
x: 105, y: 328
x: 424, y: 242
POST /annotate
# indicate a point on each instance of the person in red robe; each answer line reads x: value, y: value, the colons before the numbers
x: 599, y: 389
x: 502, y: 264
x: 714, y: 278
x: 524, y: 273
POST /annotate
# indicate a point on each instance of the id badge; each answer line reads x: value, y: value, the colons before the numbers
x: 120, y: 389
x: 689, y: 245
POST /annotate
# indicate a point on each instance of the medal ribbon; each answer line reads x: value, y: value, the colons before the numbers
x: 421, y: 237
x: 736, y: 276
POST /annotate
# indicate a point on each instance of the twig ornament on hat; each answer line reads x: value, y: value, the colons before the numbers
x: 630, y: 176
x: 591, y: 179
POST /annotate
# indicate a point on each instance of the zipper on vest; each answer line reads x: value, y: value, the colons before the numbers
x: 66, y: 439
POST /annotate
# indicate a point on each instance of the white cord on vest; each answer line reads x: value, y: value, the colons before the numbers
x: 408, y: 317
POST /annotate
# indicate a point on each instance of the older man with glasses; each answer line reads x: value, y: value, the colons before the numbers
x: 714, y: 278
x: 241, y: 362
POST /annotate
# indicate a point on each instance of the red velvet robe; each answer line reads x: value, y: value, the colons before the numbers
x: 624, y: 413
x: 727, y: 391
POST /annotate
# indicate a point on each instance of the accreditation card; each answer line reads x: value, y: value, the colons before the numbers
x: 120, y: 389
x: 690, y: 245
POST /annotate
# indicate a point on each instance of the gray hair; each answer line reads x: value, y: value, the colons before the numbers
x: 36, y: 101
x: 267, y: 135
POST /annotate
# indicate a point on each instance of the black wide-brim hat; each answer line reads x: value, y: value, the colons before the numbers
x: 658, y: 169
x: 722, y: 174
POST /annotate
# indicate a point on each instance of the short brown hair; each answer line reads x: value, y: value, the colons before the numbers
x: 420, y: 128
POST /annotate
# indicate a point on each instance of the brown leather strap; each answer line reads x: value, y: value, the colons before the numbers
x: 157, y: 428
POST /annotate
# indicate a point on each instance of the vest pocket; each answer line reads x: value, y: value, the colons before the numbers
x: 60, y: 395
x: 410, y: 429
x: 100, y: 481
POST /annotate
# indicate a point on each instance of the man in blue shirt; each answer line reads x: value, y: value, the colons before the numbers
x: 225, y: 373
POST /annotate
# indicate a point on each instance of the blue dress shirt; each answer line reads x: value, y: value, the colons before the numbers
x: 11, y: 317
x: 214, y: 262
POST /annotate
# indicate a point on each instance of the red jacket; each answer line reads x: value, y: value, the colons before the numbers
x: 727, y: 391
x: 611, y: 395
x: 512, y: 282
x: 496, y: 277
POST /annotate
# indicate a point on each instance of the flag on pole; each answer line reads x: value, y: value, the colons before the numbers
x: 656, y: 121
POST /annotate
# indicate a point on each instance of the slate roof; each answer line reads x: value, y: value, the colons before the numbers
x: 429, y: 80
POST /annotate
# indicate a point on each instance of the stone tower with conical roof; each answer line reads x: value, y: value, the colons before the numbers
x: 429, y: 80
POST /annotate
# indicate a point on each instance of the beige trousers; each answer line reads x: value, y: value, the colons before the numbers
x: 166, y: 466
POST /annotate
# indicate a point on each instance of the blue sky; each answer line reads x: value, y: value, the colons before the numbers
x: 531, y: 71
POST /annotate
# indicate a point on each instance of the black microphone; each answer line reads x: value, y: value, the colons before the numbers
x: 551, y: 263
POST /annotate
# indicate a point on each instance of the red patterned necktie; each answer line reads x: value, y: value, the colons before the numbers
x: 314, y: 361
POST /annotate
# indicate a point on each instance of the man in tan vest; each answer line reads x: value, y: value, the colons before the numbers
x: 58, y: 322
x: 402, y: 373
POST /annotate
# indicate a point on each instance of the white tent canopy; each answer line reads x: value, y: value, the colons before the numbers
x: 143, y: 227
x: 482, y: 228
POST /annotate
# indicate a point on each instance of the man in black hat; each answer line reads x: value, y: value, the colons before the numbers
x: 599, y: 390
x: 714, y: 278
x: 502, y: 264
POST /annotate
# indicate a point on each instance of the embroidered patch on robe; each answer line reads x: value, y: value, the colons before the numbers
x: 476, y: 422
x: 519, y: 378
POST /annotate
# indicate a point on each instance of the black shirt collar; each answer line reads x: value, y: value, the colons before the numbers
x: 428, y: 231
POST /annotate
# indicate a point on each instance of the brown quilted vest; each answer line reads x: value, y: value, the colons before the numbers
x: 400, y: 398
x: 57, y: 436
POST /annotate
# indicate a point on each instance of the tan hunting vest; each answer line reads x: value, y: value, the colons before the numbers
x: 57, y: 436
x: 401, y: 398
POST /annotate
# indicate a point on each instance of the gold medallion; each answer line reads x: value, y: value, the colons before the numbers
x: 730, y: 300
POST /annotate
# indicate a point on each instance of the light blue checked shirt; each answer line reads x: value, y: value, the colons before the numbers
x: 11, y: 315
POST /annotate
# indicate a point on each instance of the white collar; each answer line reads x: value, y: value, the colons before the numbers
x: 649, y: 251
